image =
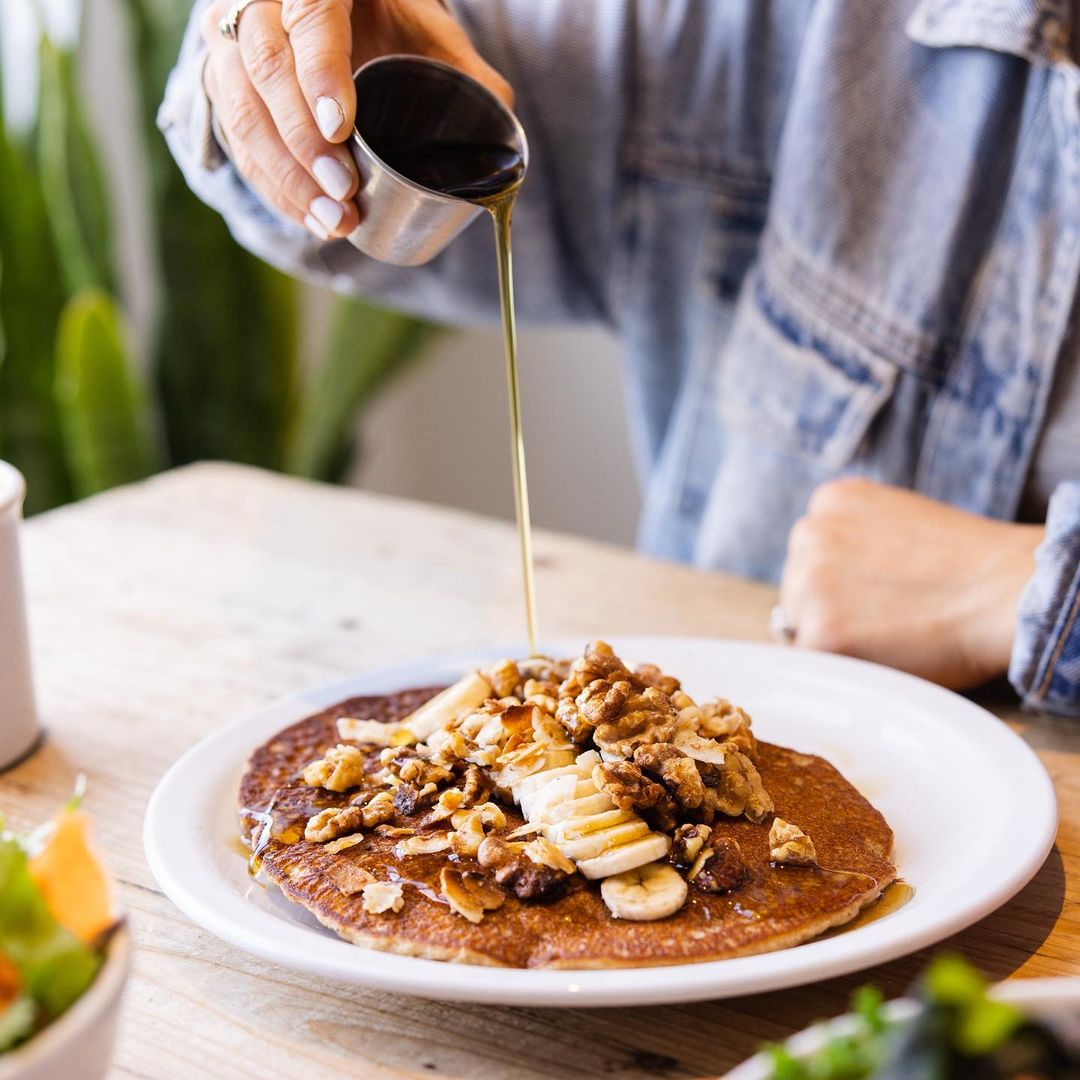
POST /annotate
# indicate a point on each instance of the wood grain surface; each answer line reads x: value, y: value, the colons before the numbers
x: 161, y: 611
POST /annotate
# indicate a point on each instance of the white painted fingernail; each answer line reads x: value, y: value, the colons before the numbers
x: 334, y: 178
x: 327, y: 212
x: 316, y: 228
x: 329, y: 115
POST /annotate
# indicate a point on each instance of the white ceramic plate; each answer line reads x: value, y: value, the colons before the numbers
x: 1046, y: 999
x: 931, y: 761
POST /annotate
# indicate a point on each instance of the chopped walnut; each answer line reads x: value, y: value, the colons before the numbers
x: 531, y: 881
x: 377, y: 807
x: 494, y: 852
x: 687, y: 843
x: 409, y: 799
x: 672, y: 768
x: 469, y: 894
x: 646, y: 717
x: 470, y: 827
x: 630, y: 789
x: 347, y: 877
x: 790, y: 845
x: 475, y: 787
x: 382, y: 896
x: 331, y: 823
x: 721, y: 867
x: 421, y: 772
x: 504, y: 678
x: 721, y: 720
x: 735, y: 788
x: 597, y: 662
x: 342, y: 768
x: 448, y: 803
x: 651, y: 675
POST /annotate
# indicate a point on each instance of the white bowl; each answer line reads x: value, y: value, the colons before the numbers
x: 79, y: 1044
x: 1045, y: 999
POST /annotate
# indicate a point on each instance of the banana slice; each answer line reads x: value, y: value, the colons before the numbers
x: 605, y: 842
x: 629, y: 856
x: 648, y: 892
x: 554, y: 794
x: 576, y: 828
x: 469, y: 692
x: 583, y: 806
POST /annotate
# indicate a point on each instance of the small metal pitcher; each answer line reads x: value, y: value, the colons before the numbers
x: 414, y: 100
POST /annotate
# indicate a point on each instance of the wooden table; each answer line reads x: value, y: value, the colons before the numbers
x: 162, y: 611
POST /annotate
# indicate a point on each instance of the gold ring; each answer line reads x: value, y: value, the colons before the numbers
x: 230, y: 24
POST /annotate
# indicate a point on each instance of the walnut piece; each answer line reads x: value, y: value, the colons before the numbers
x: 382, y: 896
x: 531, y: 881
x: 630, y: 789
x: 377, y: 807
x: 672, y: 768
x: 475, y: 787
x: 719, y: 868
x: 504, y: 678
x: 532, y: 871
x: 788, y: 844
x: 721, y: 720
x: 334, y: 822
x: 687, y: 843
x: 647, y: 716
x: 651, y: 675
x: 409, y: 799
x: 342, y: 768
x: 469, y: 894
x: 735, y: 788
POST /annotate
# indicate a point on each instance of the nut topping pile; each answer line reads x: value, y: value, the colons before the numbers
x: 619, y: 774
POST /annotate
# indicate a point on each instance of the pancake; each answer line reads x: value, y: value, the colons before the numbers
x: 773, y: 908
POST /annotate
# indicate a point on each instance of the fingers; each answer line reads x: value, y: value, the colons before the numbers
x: 320, y: 33
x: 268, y: 60
x: 261, y: 155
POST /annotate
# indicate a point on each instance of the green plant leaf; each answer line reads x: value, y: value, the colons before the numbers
x: 31, y: 295
x: 367, y: 346
x: 71, y: 177
x: 104, y: 414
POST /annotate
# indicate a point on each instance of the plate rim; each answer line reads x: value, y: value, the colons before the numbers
x: 570, y: 987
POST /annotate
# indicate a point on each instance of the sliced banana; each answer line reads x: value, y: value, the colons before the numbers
x: 648, y: 892
x: 469, y: 692
x: 618, y: 860
x: 605, y: 842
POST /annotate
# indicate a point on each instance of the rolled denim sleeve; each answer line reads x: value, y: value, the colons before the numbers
x: 566, y: 62
x: 1045, y: 668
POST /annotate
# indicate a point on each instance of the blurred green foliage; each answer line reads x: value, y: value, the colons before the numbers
x: 79, y: 411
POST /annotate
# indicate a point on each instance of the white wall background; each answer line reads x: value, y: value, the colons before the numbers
x: 441, y: 432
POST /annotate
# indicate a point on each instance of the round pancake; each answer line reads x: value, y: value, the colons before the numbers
x: 776, y: 907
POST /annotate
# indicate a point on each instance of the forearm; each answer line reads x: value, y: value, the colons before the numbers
x: 1045, y: 665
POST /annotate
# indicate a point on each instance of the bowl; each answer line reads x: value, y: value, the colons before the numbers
x: 1043, y: 999
x: 79, y: 1044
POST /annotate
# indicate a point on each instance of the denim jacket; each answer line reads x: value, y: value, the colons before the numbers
x: 834, y: 237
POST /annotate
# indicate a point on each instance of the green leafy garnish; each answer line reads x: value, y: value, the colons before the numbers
x: 55, y: 968
x: 17, y: 1021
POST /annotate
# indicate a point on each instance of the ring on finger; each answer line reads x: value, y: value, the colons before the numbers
x: 780, y: 626
x: 230, y: 23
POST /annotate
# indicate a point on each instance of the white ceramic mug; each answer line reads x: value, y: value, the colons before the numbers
x: 19, y: 729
